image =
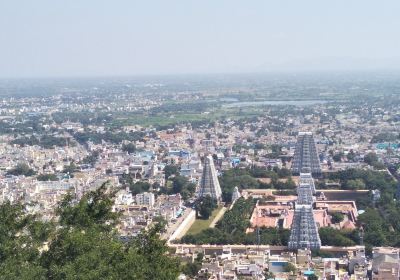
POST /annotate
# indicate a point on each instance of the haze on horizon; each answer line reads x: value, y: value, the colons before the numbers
x: 48, y: 38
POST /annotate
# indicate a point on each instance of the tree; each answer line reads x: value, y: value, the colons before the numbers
x: 129, y: 148
x: 181, y: 185
x: 92, y: 158
x: 155, y: 263
x: 20, y: 238
x: 378, y: 165
x: 170, y: 170
x: 188, y: 191
x: 337, y: 157
x: 231, y: 229
x: 337, y: 217
x: 356, y: 184
x: 139, y: 187
x: 109, y: 171
x: 47, y: 177
x: 21, y: 169
x: 374, y: 227
x: 46, y: 141
x: 191, y: 269
x: 289, y: 267
x: 276, y: 150
x: 161, y: 221
x: 284, y: 172
x: 351, y: 156
x: 93, y: 210
x: 333, y: 237
x: 70, y: 169
x: 370, y: 158
x: 205, y: 206
x: 385, y: 137
x: 268, y: 274
x: 178, y: 183
x: 239, y: 177
x: 83, y: 244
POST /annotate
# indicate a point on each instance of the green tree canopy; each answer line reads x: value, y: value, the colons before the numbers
x: 370, y: 158
x: 170, y: 170
x: 130, y: 148
x: 83, y: 244
x: 21, y: 169
x: 205, y: 206
x: 47, y: 177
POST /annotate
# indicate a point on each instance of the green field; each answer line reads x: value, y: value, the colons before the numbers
x: 170, y: 118
x: 200, y: 224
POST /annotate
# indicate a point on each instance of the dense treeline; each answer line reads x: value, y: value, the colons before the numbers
x: 334, y: 237
x: 204, y: 207
x: 182, y: 185
x: 81, y: 245
x: 46, y: 141
x: 373, y: 160
x: 179, y: 184
x: 22, y: 126
x: 231, y: 229
x: 381, y: 220
x: 237, y: 219
x: 248, y: 179
x: 112, y: 137
x: 382, y: 224
x: 83, y: 117
x: 21, y: 169
x: 130, y: 148
x: 365, y: 179
x: 47, y: 177
x: 385, y: 137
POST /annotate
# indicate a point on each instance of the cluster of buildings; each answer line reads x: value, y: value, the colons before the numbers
x: 342, y: 136
x: 235, y: 262
x: 303, y: 214
x: 139, y: 211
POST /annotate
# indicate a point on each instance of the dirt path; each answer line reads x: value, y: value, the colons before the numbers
x: 218, y: 217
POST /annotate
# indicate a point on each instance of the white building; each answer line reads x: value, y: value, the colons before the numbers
x: 145, y: 198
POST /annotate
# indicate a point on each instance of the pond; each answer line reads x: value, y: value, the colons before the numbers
x: 276, y: 103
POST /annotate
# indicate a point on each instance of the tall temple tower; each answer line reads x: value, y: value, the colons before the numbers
x: 209, y: 184
x: 306, y: 178
x: 304, y: 232
x: 306, y: 158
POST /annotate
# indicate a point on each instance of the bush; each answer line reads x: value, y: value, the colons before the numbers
x: 337, y: 217
x: 21, y: 169
x: 289, y: 267
x: 333, y: 237
x: 356, y: 184
x: 47, y: 177
x: 139, y: 187
x: 205, y: 206
x: 129, y: 148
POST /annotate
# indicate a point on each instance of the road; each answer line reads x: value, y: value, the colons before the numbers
x: 218, y: 217
x: 171, y: 227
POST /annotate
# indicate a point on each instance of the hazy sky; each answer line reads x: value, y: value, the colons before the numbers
x: 94, y: 37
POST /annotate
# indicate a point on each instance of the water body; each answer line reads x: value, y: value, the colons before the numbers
x: 276, y: 103
x: 228, y: 99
